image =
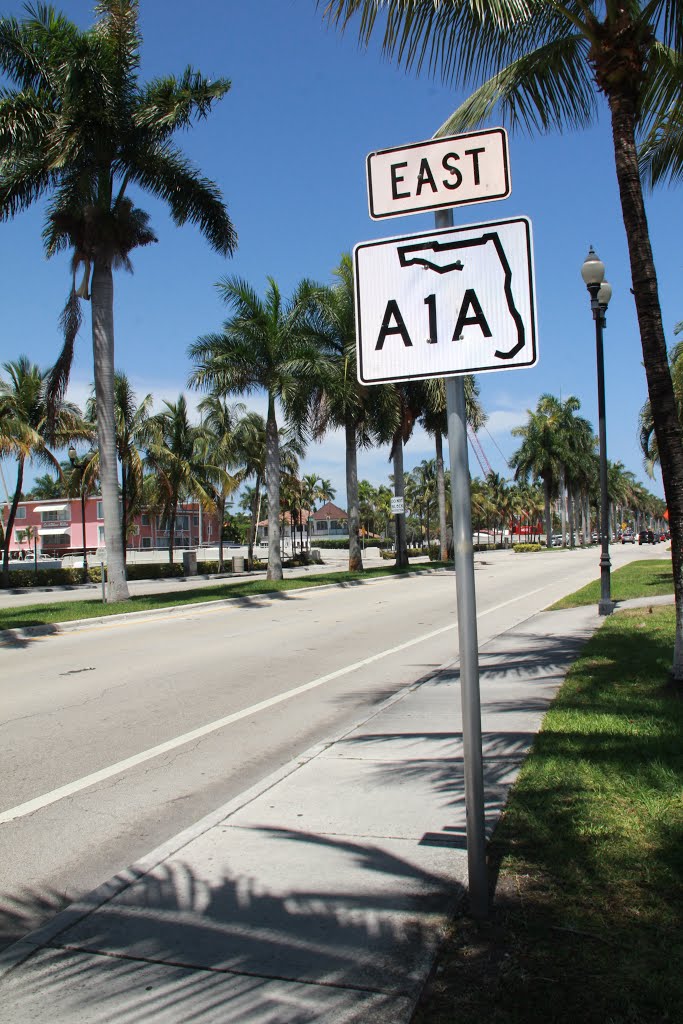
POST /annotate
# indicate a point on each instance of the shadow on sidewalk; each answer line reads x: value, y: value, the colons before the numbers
x: 177, y: 946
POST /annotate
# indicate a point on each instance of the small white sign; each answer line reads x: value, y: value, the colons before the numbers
x: 438, y: 174
x: 443, y: 303
x: 397, y: 505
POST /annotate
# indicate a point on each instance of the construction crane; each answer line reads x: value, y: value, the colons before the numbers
x: 479, y: 451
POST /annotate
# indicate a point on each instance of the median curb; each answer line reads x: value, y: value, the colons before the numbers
x: 71, y: 626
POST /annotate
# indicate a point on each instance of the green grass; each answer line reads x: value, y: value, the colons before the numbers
x: 587, y: 920
x: 637, y: 579
x: 69, y: 611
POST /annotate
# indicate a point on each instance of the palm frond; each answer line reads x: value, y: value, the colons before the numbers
x: 169, y: 104
x: 547, y: 89
x: 167, y: 174
x: 661, y: 149
x: 58, y: 377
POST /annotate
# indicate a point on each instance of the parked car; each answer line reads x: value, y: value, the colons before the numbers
x: 628, y: 537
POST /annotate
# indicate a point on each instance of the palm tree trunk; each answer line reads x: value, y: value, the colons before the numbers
x: 548, y: 514
x: 659, y: 385
x: 441, y: 494
x: 124, y: 509
x: 273, y: 488
x: 253, y: 527
x: 10, y: 523
x: 171, y: 534
x: 355, y: 553
x: 221, y: 520
x: 399, y: 491
x: 563, y: 509
x: 102, y: 300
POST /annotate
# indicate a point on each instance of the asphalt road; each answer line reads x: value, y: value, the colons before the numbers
x: 117, y: 736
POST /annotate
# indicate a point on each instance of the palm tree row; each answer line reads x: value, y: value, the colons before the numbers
x: 302, y: 352
x: 163, y: 459
x: 559, y: 451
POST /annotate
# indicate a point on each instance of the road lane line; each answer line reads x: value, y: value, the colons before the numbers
x: 30, y: 806
x: 21, y: 810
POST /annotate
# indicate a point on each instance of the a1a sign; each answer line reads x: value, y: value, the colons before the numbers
x: 439, y: 173
x: 442, y: 303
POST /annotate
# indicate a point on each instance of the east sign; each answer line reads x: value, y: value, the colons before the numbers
x: 439, y: 173
x: 444, y: 303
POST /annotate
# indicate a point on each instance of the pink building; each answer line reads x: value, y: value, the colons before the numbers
x: 55, y: 527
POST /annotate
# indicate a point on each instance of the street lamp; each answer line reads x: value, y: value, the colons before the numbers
x: 593, y: 274
x: 80, y: 464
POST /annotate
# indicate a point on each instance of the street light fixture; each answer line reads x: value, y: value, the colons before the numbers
x: 80, y: 464
x: 593, y: 274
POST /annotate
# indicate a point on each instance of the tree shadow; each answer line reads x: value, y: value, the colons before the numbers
x: 19, y: 637
x: 180, y: 945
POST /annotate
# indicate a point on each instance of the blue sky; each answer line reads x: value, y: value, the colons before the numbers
x: 287, y: 146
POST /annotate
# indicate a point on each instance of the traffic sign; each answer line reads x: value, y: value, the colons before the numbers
x: 397, y: 505
x: 439, y: 173
x: 442, y: 303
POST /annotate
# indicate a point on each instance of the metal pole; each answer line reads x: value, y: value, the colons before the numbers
x: 467, y: 636
x: 85, y: 555
x: 104, y: 584
x: 605, y: 604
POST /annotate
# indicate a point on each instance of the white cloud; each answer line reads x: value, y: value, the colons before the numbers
x: 501, y: 421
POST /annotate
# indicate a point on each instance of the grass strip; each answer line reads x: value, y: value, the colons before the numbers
x: 637, y: 579
x: 587, y: 916
x: 70, y: 611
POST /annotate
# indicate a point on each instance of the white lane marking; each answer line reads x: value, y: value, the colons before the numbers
x: 21, y: 810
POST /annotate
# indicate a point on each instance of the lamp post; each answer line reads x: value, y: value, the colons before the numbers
x: 593, y: 274
x: 80, y: 465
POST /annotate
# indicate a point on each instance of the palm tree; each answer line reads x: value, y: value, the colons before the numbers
x: 264, y: 345
x: 26, y: 431
x: 220, y: 423
x: 367, y: 502
x: 435, y: 421
x: 177, y: 454
x: 337, y: 398
x: 544, y: 66
x: 647, y: 436
x: 409, y: 403
x: 132, y: 433
x: 425, y: 477
x: 250, y: 455
x: 310, y: 494
x: 45, y: 487
x: 81, y: 128
x: 541, y: 454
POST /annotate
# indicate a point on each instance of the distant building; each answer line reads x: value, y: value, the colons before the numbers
x: 330, y: 522
x: 55, y: 528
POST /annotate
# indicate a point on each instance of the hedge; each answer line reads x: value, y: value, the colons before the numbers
x: 72, y: 577
x: 343, y: 545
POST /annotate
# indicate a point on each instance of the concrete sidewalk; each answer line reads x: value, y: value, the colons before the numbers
x: 318, y: 896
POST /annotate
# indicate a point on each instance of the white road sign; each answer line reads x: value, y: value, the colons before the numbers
x: 438, y: 173
x: 443, y: 303
x: 397, y: 505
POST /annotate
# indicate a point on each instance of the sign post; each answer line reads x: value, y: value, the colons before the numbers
x: 470, y: 703
x: 443, y: 304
